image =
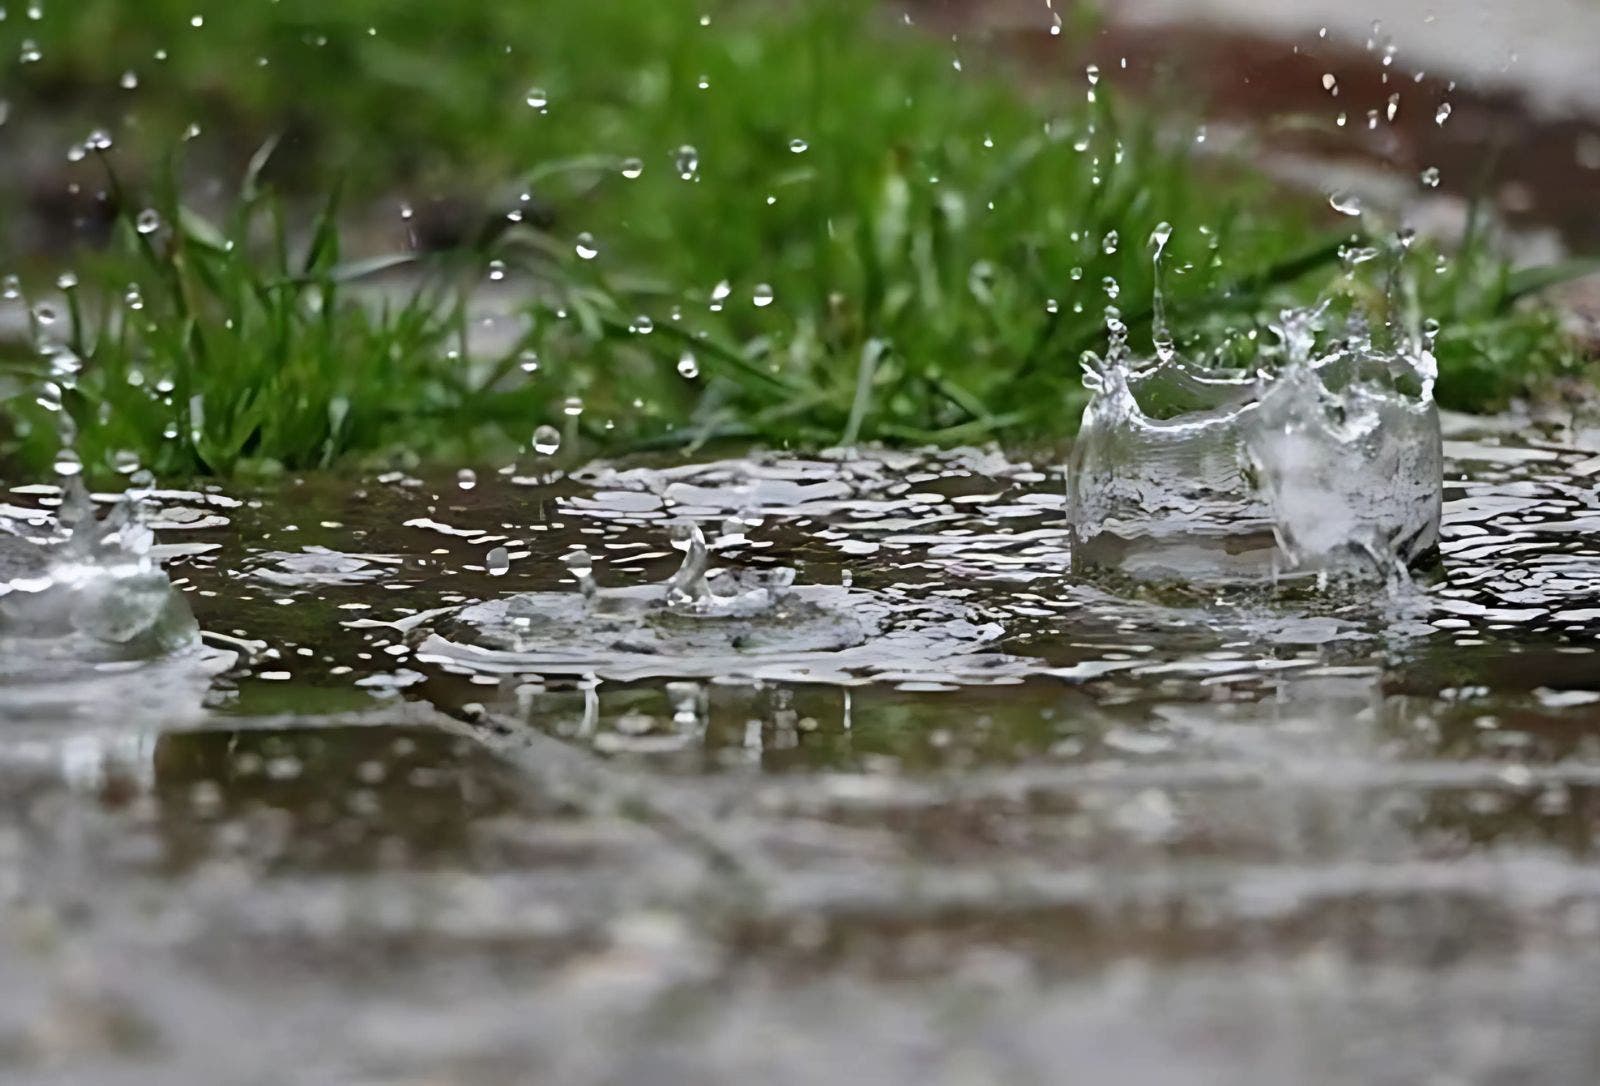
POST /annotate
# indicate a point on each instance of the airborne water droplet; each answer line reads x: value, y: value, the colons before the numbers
x: 537, y: 99
x: 1345, y: 203
x: 1430, y: 177
x: 632, y: 168
x: 148, y: 222
x: 584, y: 246
x: 1443, y: 113
x: 529, y: 361
x: 546, y: 440
x: 798, y: 146
x: 688, y: 366
x: 466, y: 478
x: 497, y: 562
x: 687, y: 162
x: 763, y: 296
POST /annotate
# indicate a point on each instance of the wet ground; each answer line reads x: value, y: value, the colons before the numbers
x: 1008, y: 826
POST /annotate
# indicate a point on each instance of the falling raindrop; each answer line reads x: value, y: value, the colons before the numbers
x: 1430, y: 177
x: 537, y: 99
x: 529, y: 361
x: 762, y: 296
x: 466, y: 478
x: 585, y: 247
x: 572, y: 406
x: 798, y: 146
x: 497, y: 270
x: 148, y: 222
x: 687, y: 162
x: 632, y: 168
x: 688, y: 366
x: 719, y: 294
x: 497, y: 562
x: 1443, y: 113
x: 546, y: 440
x: 1345, y: 203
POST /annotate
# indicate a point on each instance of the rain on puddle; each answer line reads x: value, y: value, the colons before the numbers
x: 504, y: 776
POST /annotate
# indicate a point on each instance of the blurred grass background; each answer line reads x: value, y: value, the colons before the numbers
x: 798, y: 223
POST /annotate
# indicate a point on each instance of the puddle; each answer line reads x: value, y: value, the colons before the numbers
x: 937, y: 793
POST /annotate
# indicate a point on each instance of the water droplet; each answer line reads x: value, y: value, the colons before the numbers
x: 45, y: 313
x: 687, y: 162
x: 130, y: 80
x: 529, y: 361
x: 688, y: 366
x: 11, y: 288
x: 719, y: 294
x: 546, y: 440
x: 537, y: 99
x: 572, y: 406
x: 67, y: 280
x: 632, y: 168
x: 148, y: 222
x: 1330, y: 83
x: 1345, y: 203
x: 497, y: 562
x: 497, y: 270
x: 798, y: 146
x: 585, y: 246
x: 1430, y: 177
x: 642, y: 325
x: 1110, y: 243
x: 466, y: 478
x: 762, y: 296
x: 1443, y: 113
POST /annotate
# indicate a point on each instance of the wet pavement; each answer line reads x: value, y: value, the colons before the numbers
x: 1167, y: 836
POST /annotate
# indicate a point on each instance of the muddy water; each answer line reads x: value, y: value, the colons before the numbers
x: 1025, y: 829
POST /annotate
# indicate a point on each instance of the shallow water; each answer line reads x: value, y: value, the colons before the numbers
x: 1015, y: 822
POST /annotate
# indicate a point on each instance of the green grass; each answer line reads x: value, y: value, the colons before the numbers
x: 936, y: 254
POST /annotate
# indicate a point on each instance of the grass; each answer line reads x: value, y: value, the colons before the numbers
x: 936, y: 245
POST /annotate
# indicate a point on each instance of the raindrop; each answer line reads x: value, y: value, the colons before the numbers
x: 466, y: 478
x: 1109, y: 245
x: 537, y: 99
x: 1345, y: 203
x: 572, y: 406
x: 67, y: 280
x: 1443, y: 113
x: 642, y: 325
x: 1330, y: 83
x: 130, y: 80
x: 546, y: 440
x: 585, y: 247
x: 688, y: 366
x: 632, y: 168
x: 762, y: 296
x: 497, y: 562
x: 529, y: 361
x: 687, y: 162
x: 1430, y: 177
x: 798, y: 146
x: 719, y: 294
x: 11, y: 288
x: 497, y: 270
x: 148, y: 222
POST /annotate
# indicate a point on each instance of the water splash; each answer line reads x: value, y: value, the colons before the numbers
x: 1326, y: 460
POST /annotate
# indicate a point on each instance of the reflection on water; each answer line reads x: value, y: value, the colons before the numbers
x: 1165, y: 835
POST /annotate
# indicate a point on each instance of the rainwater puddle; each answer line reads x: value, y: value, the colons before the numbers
x: 930, y: 792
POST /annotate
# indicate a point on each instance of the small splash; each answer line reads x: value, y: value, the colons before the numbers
x: 707, y: 622
x: 91, y: 591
